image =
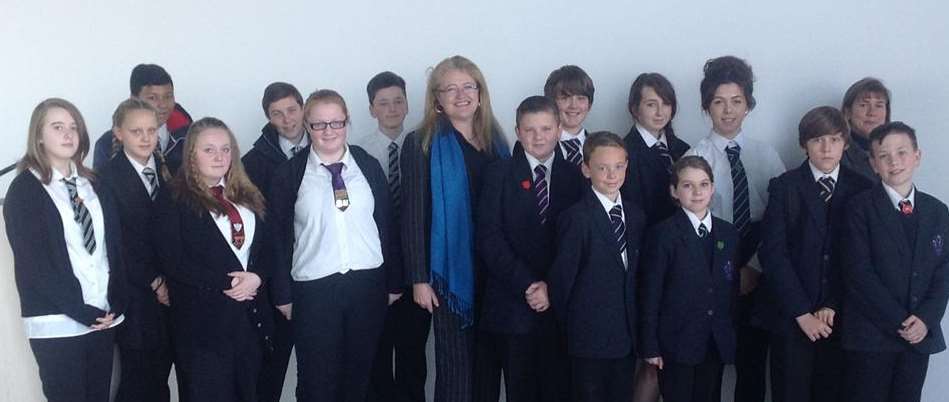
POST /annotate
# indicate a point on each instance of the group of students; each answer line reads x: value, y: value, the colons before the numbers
x: 576, y: 266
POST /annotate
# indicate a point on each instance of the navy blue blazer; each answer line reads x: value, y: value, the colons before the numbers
x: 647, y: 181
x: 685, y: 302
x: 44, y: 275
x: 886, y: 280
x: 517, y: 250
x: 592, y: 293
x: 195, y: 260
x: 284, y: 187
x: 144, y: 323
x: 802, y: 245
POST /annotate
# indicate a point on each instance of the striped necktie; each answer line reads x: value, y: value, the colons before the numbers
x: 827, y: 184
x: 81, y: 215
x: 741, y: 209
x: 703, y: 231
x: 574, y: 155
x: 395, y: 177
x: 152, y: 178
x: 619, y: 228
x: 540, y: 190
x: 664, y: 155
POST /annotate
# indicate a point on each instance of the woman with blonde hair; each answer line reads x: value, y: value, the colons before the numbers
x: 442, y: 163
x: 209, y: 233
x: 65, y: 235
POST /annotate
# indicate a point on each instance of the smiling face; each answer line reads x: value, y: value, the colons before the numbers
x: 573, y: 111
x: 606, y: 169
x: 539, y: 134
x: 213, y: 154
x: 162, y: 97
x: 825, y: 151
x: 458, y: 95
x: 867, y: 113
x: 60, y: 137
x: 286, y: 115
x: 728, y: 109
x: 653, y: 112
x: 693, y: 191
x: 328, y: 142
x: 138, y: 134
x: 389, y: 108
x: 895, y: 160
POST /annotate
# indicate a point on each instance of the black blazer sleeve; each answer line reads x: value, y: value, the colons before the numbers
x: 775, y: 256
x: 571, y: 248
x: 415, y: 210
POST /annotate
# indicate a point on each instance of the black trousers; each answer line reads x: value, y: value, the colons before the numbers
x: 145, y: 371
x: 403, y: 337
x: 885, y: 376
x: 227, y: 372
x: 693, y: 383
x: 274, y: 366
x: 337, y: 323
x: 454, y: 357
x: 805, y: 371
x: 76, y: 369
x: 603, y: 380
x: 751, y: 356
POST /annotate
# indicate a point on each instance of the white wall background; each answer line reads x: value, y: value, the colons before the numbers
x: 222, y: 54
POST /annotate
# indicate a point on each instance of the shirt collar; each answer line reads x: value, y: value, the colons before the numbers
x: 286, y: 146
x: 694, y: 219
x: 648, y: 138
x: 73, y: 174
x: 582, y: 135
x: 534, y: 162
x: 399, y: 139
x: 138, y: 166
x: 721, y: 142
x: 347, y: 158
x: 605, y: 201
x: 818, y: 174
x: 895, y: 197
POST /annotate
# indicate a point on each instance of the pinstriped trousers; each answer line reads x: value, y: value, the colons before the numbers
x: 454, y: 357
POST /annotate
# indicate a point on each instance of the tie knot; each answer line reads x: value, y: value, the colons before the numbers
x: 217, y: 191
x: 733, y: 149
x: 906, y: 207
x: 70, y: 182
x: 148, y: 172
x: 827, y: 180
x: 335, y: 168
x: 661, y: 146
x: 616, y: 212
x: 393, y: 147
x: 540, y: 171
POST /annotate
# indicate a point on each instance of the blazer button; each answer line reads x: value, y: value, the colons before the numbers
x: 259, y: 325
x: 711, y: 313
x: 826, y: 257
x: 254, y: 310
x: 915, y: 274
x: 711, y: 290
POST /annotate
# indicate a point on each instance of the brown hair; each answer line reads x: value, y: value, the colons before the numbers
x: 118, y: 118
x: 601, y: 139
x: 693, y: 162
x: 727, y: 70
x: 821, y: 121
x: 486, y: 127
x: 663, y: 88
x: 567, y: 81
x: 35, y: 157
x: 862, y: 88
x: 189, y: 188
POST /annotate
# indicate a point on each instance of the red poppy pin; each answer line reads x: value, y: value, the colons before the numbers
x: 526, y: 184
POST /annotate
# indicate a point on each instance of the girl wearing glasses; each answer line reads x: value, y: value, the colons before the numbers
x: 442, y: 163
x: 332, y: 254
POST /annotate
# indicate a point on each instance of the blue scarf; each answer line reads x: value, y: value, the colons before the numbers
x: 452, y: 239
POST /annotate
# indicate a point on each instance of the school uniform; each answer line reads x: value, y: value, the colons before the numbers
x: 648, y: 172
x: 145, y: 345
x: 571, y: 146
x: 336, y: 265
x: 218, y: 341
x: 800, y: 253
x: 270, y: 151
x: 171, y: 142
x: 454, y: 335
x: 516, y: 239
x: 689, y: 304
x: 69, y: 272
x: 896, y: 265
x: 741, y: 195
x: 400, y: 367
x: 593, y: 290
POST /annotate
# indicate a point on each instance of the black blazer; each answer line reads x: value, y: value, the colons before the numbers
x: 685, y: 302
x: 886, y: 280
x: 517, y: 250
x: 262, y: 160
x: 144, y: 323
x: 283, y: 196
x: 591, y: 292
x: 647, y: 181
x: 801, y: 246
x: 44, y: 276
x: 195, y: 260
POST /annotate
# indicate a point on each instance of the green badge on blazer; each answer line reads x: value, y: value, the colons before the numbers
x: 720, y: 244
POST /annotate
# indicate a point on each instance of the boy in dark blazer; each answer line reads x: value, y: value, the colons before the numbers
x: 800, y: 254
x: 520, y: 202
x: 690, y: 290
x: 896, y: 274
x: 593, y: 279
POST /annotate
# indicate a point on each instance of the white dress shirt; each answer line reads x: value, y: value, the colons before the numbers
x: 564, y: 136
x: 377, y: 145
x: 163, y: 137
x: 140, y: 167
x: 607, y: 206
x: 329, y: 241
x: 820, y: 175
x: 649, y: 139
x: 696, y: 221
x: 761, y: 163
x: 91, y: 270
x: 223, y: 224
x: 895, y: 197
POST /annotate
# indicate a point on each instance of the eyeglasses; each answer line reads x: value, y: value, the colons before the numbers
x: 322, y: 125
x: 467, y: 89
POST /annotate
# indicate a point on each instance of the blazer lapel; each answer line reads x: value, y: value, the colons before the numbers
x: 130, y: 175
x: 810, y: 192
x: 524, y: 197
x: 886, y: 212
x: 603, y: 225
x: 691, y: 240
